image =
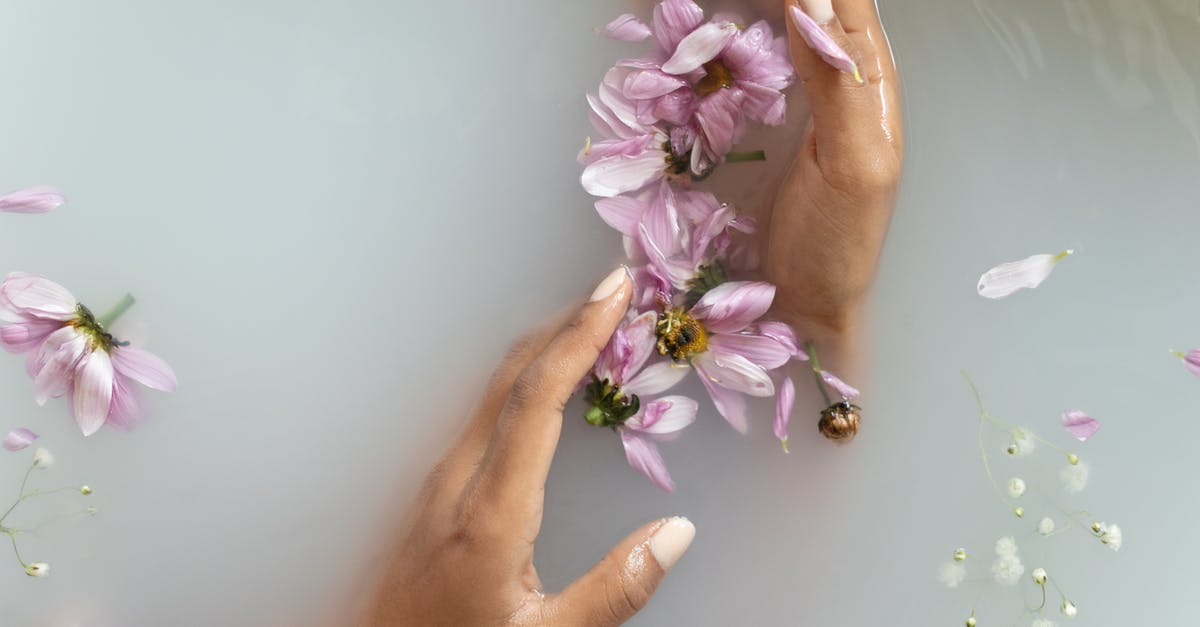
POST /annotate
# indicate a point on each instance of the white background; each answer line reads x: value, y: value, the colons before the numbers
x: 336, y: 215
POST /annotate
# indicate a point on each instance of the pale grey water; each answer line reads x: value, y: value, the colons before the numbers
x: 336, y: 215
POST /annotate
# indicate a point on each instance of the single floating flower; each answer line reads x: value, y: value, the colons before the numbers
x: 1074, y: 477
x: 1046, y: 526
x: 1110, y: 535
x: 951, y: 574
x: 42, y: 458
x: 1068, y: 609
x: 1080, y: 425
x: 1039, y: 576
x: 18, y: 439
x: 1009, y: 278
x: 1016, y: 487
x: 69, y: 352
x: 37, y: 569
x: 1023, y: 443
x: 1007, y: 570
x: 32, y: 200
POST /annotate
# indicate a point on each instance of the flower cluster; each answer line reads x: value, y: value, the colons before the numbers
x: 42, y: 459
x: 665, y: 121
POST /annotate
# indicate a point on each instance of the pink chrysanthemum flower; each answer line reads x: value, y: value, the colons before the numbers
x: 620, y: 380
x: 69, y: 352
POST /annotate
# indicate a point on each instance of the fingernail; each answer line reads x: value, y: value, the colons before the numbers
x: 822, y: 43
x: 819, y: 10
x: 610, y: 284
x: 671, y: 541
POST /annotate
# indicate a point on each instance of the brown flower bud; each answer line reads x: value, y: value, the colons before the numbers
x: 840, y: 421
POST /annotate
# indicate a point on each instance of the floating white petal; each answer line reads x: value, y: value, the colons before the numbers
x: 1008, y: 278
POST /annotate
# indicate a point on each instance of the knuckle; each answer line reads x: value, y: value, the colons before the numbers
x: 527, y: 389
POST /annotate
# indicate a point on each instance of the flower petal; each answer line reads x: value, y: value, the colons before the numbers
x: 26, y: 336
x: 782, y: 333
x: 664, y: 416
x: 821, y: 43
x: 1028, y: 273
x: 650, y: 84
x: 729, y: 307
x: 699, y: 47
x: 731, y: 405
x: 627, y: 28
x: 613, y: 176
x: 1191, y: 360
x: 784, y: 401
x: 734, y: 372
x: 144, y: 367
x: 32, y: 200
x: 656, y: 378
x: 60, y: 354
x: 125, y: 410
x: 1080, y: 425
x: 621, y: 213
x: 764, y: 351
x: 93, y: 391
x: 642, y: 454
x: 673, y: 20
x: 35, y: 296
x: 18, y: 439
x: 842, y: 387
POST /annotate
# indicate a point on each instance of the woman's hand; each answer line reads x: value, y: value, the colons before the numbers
x: 832, y: 211
x: 468, y: 557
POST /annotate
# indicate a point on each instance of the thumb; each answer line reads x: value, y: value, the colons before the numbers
x: 621, y: 584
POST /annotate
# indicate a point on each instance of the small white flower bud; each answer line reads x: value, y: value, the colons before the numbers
x: 85, y: 490
x: 37, y: 569
x: 1019, y: 511
x: 1072, y: 459
x: 970, y: 621
x: 1016, y: 487
x: 43, y: 458
x: 960, y: 555
x: 1039, y: 576
x: 1069, y: 610
x: 1046, y: 526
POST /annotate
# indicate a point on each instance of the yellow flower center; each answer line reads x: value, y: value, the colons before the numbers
x: 716, y: 78
x: 680, y: 335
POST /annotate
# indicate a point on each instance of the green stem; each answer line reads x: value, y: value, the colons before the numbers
x: 984, y: 417
x: 117, y: 311
x: 740, y: 157
x: 816, y: 368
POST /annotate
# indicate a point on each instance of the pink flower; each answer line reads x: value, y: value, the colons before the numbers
x: 631, y: 154
x: 69, y: 352
x: 32, y: 200
x: 731, y: 354
x: 661, y: 419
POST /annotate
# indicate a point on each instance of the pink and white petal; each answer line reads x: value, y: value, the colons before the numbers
x: 763, y: 104
x: 144, y: 367
x: 631, y: 147
x: 18, y: 439
x: 36, y: 296
x: 822, y: 43
x: 54, y: 378
x: 642, y: 454
x: 1080, y: 425
x: 843, y: 388
x: 32, y: 200
x: 782, y: 333
x: 734, y: 372
x: 650, y: 84
x: 1008, y: 278
x: 673, y: 20
x: 26, y: 336
x: 730, y: 306
x: 1191, y: 360
x: 656, y: 378
x: 627, y: 28
x: 731, y: 405
x: 764, y: 351
x: 613, y: 176
x: 621, y: 213
x: 677, y: 271
x: 661, y: 221
x: 677, y: 414
x: 721, y: 119
x: 93, y: 391
x: 784, y: 401
x: 125, y: 410
x: 699, y: 47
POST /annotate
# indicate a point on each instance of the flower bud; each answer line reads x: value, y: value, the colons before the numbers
x: 1072, y: 459
x: 37, y: 569
x: 1039, y: 576
x: 1097, y: 527
x: 960, y: 555
x: 971, y: 621
x: 840, y: 421
x: 1068, y: 609
x: 1019, y: 511
x: 85, y: 490
x: 1012, y: 449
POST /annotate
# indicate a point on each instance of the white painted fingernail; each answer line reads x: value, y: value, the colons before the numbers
x: 610, y: 284
x: 671, y: 541
x: 819, y: 10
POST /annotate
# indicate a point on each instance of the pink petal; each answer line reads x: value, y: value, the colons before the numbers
x: 125, y: 410
x: 783, y: 409
x: 26, y: 336
x: 734, y: 372
x: 1079, y: 424
x: 781, y: 332
x: 766, y: 352
x: 1191, y: 360
x: 93, y: 391
x: 18, y: 439
x: 731, y: 405
x: 673, y: 20
x: 662, y: 221
x: 1028, y: 273
x: 720, y: 117
x: 730, y: 306
x: 842, y: 387
x: 32, y: 200
x: 640, y: 335
x: 642, y: 454
x: 36, y: 296
x: 650, y: 84
x: 821, y: 43
x: 677, y: 271
x: 763, y: 104
x: 621, y: 213
x: 613, y: 176
x: 699, y: 47
x: 664, y: 416
x: 60, y: 354
x: 656, y: 378
x: 627, y: 28
x: 632, y: 147
x: 144, y: 367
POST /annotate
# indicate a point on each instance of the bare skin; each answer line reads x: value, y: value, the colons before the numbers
x: 466, y: 555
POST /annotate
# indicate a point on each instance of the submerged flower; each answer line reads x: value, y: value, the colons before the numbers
x: 1079, y: 424
x: 1039, y: 576
x: 1008, y: 278
x: 42, y: 458
x: 1068, y: 609
x: 37, y: 569
x: 631, y: 154
x: 951, y: 574
x: 1046, y: 526
x: 69, y: 352
x: 18, y: 439
x: 1074, y: 477
x: 1007, y: 570
x: 32, y: 200
x: 1110, y: 535
x: 1016, y: 487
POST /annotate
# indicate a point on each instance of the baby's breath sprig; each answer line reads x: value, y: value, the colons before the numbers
x: 42, y: 459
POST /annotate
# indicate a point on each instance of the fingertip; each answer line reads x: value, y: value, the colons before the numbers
x: 611, y: 284
x: 671, y: 540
